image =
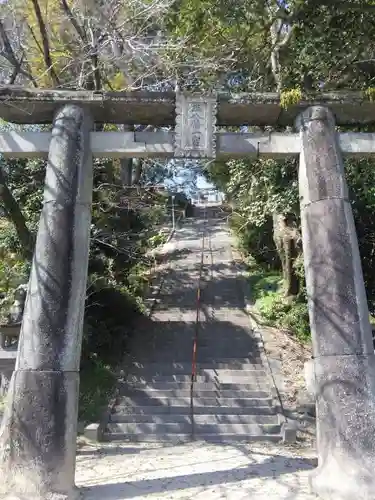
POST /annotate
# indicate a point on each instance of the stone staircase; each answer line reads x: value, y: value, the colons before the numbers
x: 232, y: 402
x: 233, y: 397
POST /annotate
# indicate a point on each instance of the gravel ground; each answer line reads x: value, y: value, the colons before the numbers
x: 196, y: 470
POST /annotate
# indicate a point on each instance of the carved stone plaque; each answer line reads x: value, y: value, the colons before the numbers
x: 195, y: 126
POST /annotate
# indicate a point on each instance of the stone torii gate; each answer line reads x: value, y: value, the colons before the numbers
x: 38, y: 433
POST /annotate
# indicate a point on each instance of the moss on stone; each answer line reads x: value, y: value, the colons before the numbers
x: 289, y: 97
x: 370, y: 94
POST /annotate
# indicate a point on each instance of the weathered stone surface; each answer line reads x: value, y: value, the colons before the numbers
x: 289, y: 432
x: 21, y: 105
x: 319, y: 143
x: 195, y: 130
x: 346, y: 428
x: 306, y: 404
x: 337, y: 297
x: 46, y: 436
x: 93, y: 432
x: 309, y: 371
x: 344, y: 382
x: 38, y: 433
x: 127, y: 145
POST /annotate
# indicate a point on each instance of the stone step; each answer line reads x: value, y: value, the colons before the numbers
x: 228, y: 377
x: 162, y: 394
x: 184, y: 438
x: 218, y: 350
x: 167, y: 364
x: 185, y: 409
x: 142, y: 399
x: 254, y: 385
x: 185, y: 367
x: 213, y: 348
x: 250, y: 370
x: 186, y: 428
x: 198, y: 419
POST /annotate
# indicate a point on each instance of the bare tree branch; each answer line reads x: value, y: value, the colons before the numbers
x: 45, y: 43
x: 95, y: 78
x: 10, y: 56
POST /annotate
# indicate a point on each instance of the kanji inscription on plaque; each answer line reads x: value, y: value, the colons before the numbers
x: 195, y: 133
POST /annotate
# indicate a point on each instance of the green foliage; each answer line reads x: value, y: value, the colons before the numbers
x: 262, y: 283
x: 296, y: 320
x: 266, y: 289
x: 25, y: 178
x: 289, y: 97
x: 360, y: 174
x: 319, y: 46
x: 261, y: 187
x: 370, y: 94
x: 218, y: 173
x: 227, y: 45
x: 331, y: 46
x: 256, y: 240
x: 110, y: 314
x: 257, y: 189
x: 255, y: 233
x: 13, y: 271
x: 121, y: 234
x: 228, y: 38
x: 157, y: 240
x: 96, y: 386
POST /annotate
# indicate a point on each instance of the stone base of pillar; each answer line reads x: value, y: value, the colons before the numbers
x: 37, y: 454
x: 345, y: 438
x: 329, y: 483
x: 75, y: 495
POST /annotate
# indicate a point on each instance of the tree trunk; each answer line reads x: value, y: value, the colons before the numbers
x: 286, y: 237
x: 15, y: 215
x: 137, y: 172
x: 291, y: 280
x: 45, y: 44
x: 126, y: 165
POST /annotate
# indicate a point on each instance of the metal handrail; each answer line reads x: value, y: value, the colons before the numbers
x: 195, y: 340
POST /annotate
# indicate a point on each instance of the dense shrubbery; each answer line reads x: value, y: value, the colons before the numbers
x: 256, y: 241
x: 256, y: 234
x: 361, y: 180
x: 269, y: 300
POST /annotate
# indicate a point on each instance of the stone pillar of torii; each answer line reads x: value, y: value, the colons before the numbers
x: 38, y: 432
x: 343, y: 350
x: 39, y: 428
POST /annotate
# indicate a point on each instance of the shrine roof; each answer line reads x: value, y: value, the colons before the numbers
x: 24, y: 105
